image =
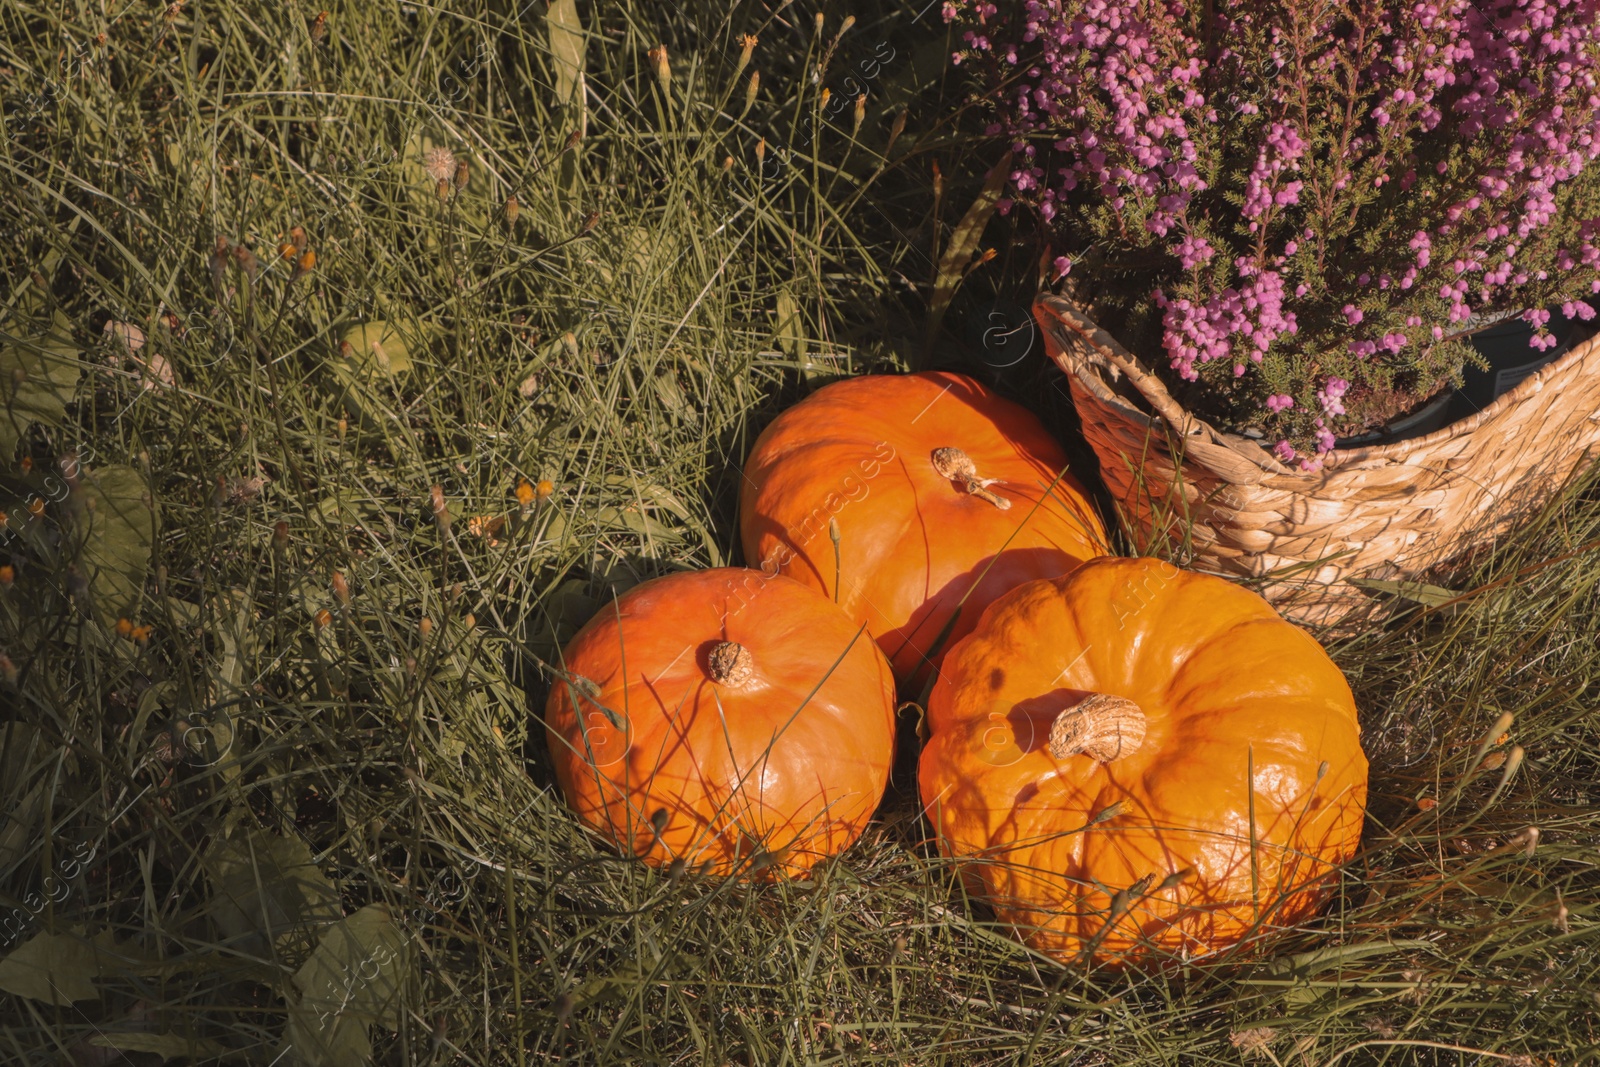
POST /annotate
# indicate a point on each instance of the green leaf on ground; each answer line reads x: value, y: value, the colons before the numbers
x: 266, y: 885
x: 376, y: 349
x: 350, y: 982
x: 38, y: 376
x: 121, y: 529
x: 54, y: 968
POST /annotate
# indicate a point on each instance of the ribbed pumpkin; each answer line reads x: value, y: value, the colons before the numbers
x: 725, y: 718
x: 938, y: 491
x: 1093, y: 745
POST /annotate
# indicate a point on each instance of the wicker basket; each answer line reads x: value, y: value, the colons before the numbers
x: 1387, y: 511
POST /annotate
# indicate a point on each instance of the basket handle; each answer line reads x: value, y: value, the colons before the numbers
x: 1068, y: 314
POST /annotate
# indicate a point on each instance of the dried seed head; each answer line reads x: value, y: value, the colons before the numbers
x: 8, y: 574
x: 727, y: 164
x: 572, y: 140
x: 324, y: 619
x: 730, y: 664
x: 761, y: 151
x: 341, y: 588
x: 443, y: 190
x: 247, y: 261
x: 1253, y: 1042
x: 750, y: 90
x: 525, y: 493
x: 297, y: 237
x: 425, y: 627
x: 280, y: 537
x: 124, y: 627
x: 441, y: 511
x: 860, y: 114
x: 1100, y: 726
x: 662, y: 66
x: 895, y: 130
x: 288, y: 250
x: 747, y: 46
x: 8, y: 669
x: 440, y: 163
x: 218, y: 261
x: 545, y: 488
x: 487, y: 527
x: 319, y: 28
x: 824, y: 97
x: 463, y: 175
x: 513, y: 209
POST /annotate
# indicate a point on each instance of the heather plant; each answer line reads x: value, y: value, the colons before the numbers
x: 1307, y: 206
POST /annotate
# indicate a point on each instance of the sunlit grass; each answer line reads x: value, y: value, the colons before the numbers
x: 674, y: 274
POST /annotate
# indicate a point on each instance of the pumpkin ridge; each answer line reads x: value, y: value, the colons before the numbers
x: 1230, y: 812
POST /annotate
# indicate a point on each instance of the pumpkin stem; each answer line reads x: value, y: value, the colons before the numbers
x: 956, y: 465
x: 1100, y: 726
x: 730, y: 664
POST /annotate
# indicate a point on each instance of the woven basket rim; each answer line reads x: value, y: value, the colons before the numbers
x: 1106, y: 355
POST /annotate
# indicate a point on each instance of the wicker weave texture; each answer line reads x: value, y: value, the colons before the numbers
x: 1382, y: 511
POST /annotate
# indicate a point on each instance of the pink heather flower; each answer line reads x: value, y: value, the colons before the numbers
x: 1116, y: 111
x: 1328, y: 397
x: 1062, y: 266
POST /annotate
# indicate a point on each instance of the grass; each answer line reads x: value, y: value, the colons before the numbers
x: 313, y: 813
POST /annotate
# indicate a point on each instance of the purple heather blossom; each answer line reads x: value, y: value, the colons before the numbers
x: 1120, y: 111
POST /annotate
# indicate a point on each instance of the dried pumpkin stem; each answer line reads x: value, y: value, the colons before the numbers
x: 1100, y: 726
x: 956, y: 465
x: 731, y: 664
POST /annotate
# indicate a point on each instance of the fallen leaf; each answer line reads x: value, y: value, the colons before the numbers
x: 264, y: 885
x: 54, y: 968
x: 121, y: 530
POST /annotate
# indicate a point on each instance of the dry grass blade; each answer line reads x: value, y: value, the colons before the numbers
x: 298, y: 782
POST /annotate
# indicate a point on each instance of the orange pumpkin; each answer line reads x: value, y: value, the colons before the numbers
x: 724, y: 718
x: 943, y: 496
x: 1094, y: 744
